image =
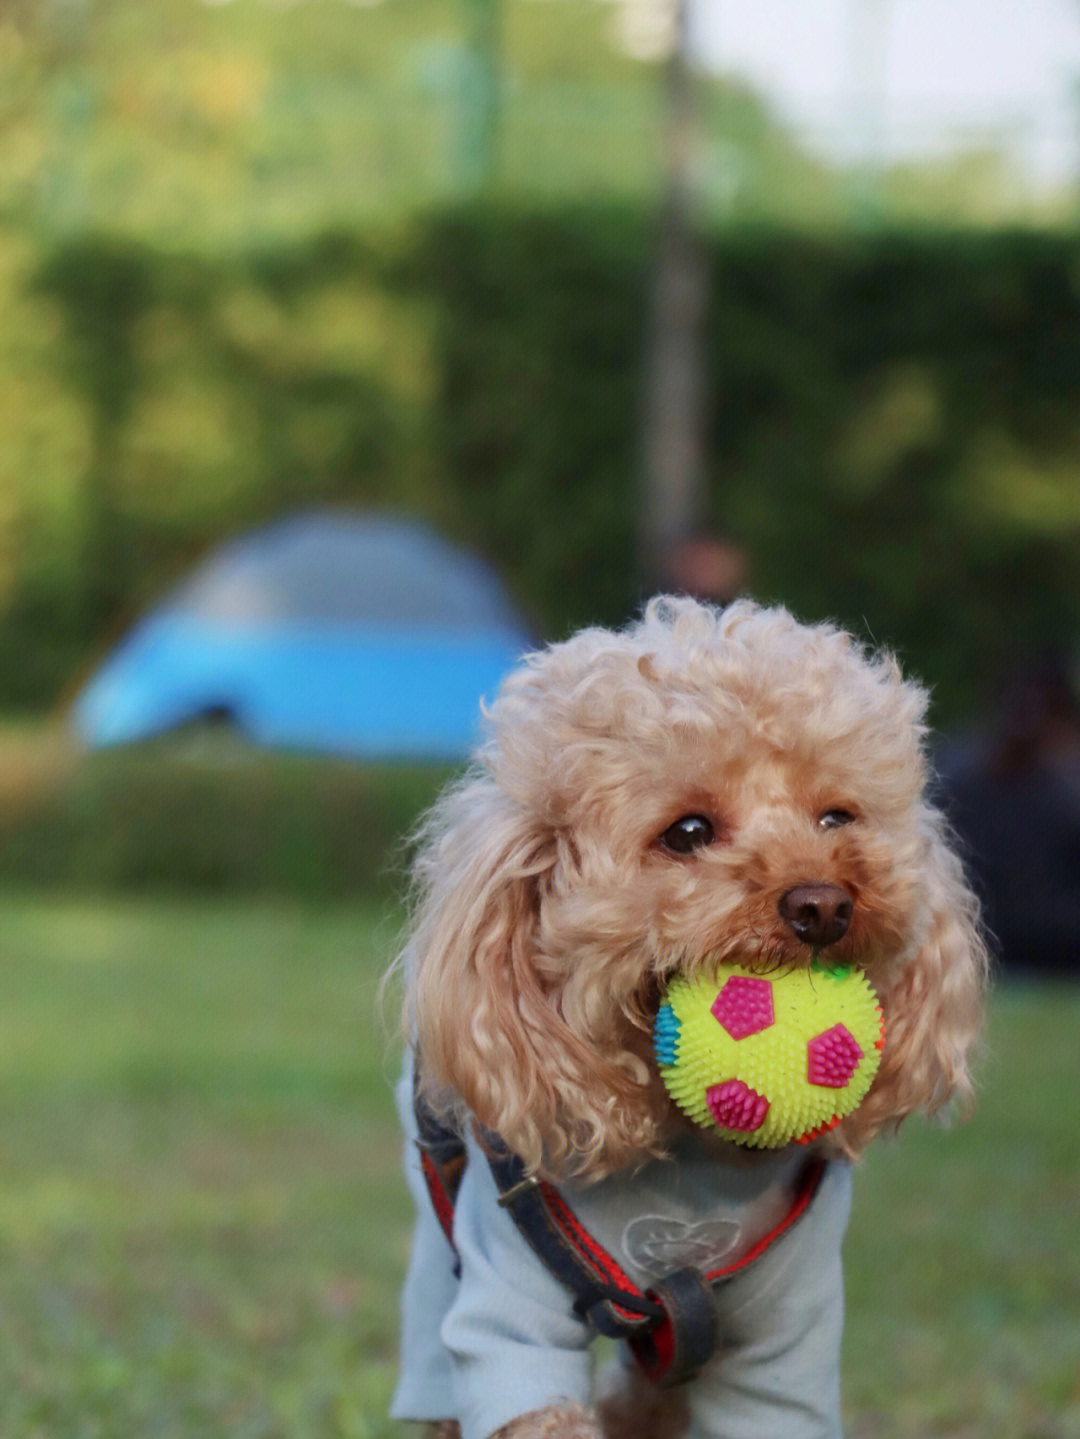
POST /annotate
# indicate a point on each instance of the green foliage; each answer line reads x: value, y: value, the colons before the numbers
x: 881, y: 413
x: 869, y: 399
x: 539, y: 351
x: 211, y: 397
x: 891, y: 435
x: 202, y: 126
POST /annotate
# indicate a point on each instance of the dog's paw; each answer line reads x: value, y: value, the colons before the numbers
x: 555, y: 1421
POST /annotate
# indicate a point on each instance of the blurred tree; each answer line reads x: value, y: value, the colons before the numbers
x: 104, y: 288
x: 56, y: 28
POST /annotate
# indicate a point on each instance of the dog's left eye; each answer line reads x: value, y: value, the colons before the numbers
x: 693, y: 831
x: 834, y: 818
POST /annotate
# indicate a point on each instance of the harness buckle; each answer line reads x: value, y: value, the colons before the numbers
x: 506, y: 1199
x: 675, y: 1348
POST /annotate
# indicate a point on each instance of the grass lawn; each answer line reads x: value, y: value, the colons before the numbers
x: 202, y: 1224
x: 201, y: 1221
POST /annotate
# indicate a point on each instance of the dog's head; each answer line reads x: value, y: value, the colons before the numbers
x: 700, y: 786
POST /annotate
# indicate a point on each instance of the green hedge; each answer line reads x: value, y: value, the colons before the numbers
x: 892, y: 432
x: 204, y: 812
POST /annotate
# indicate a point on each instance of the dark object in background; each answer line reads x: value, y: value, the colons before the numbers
x: 1013, y: 796
x: 707, y: 567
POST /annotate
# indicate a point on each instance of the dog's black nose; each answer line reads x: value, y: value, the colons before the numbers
x: 818, y: 914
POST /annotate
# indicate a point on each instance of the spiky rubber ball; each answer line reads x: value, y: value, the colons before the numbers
x: 770, y: 1059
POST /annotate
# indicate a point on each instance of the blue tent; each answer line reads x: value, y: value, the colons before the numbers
x: 361, y: 635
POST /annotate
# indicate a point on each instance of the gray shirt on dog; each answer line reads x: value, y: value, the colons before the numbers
x: 502, y: 1339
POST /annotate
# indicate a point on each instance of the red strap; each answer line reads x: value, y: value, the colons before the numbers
x: 442, y: 1194
x: 802, y: 1202
x: 575, y: 1234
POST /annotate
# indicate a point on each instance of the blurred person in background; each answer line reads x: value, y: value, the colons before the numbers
x: 1012, y: 793
x: 707, y: 567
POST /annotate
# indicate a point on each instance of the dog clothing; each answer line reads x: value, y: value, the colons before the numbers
x: 489, y: 1333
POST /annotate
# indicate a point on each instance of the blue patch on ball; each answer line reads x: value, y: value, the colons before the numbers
x: 666, y: 1035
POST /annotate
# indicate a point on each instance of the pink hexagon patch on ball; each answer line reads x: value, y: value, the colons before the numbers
x: 744, y: 1006
x: 833, y: 1058
x: 734, y: 1105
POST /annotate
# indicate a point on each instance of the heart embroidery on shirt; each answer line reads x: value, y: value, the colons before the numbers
x: 658, y: 1245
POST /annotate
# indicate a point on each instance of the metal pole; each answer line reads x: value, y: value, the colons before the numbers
x: 672, y: 501
x: 867, y: 83
x: 480, y: 97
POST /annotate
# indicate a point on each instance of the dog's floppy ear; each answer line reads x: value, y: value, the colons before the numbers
x: 933, y: 1005
x: 483, y: 1014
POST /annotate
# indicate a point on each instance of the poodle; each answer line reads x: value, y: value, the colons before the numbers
x: 703, y: 785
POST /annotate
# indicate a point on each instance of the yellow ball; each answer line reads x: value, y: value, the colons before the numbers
x: 770, y: 1059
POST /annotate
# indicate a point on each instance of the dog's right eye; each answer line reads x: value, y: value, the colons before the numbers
x: 692, y: 832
